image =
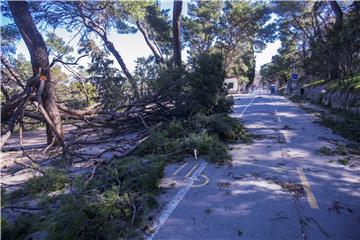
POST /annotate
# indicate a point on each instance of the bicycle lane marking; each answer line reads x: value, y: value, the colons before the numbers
x: 171, y: 206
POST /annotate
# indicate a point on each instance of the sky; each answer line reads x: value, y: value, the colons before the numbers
x: 132, y: 46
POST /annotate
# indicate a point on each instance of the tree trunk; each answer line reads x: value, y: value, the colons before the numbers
x: 176, y: 31
x: 40, y: 62
x: 335, y: 51
x: 251, y: 64
x: 122, y: 64
x: 338, y: 12
x: 101, y: 32
x: 152, y: 46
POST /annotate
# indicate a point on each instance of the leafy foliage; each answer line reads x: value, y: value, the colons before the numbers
x: 9, y: 37
x: 227, y: 128
x: 320, y: 40
x: 202, y: 132
x: 119, y: 195
x: 198, y: 88
x: 21, y: 228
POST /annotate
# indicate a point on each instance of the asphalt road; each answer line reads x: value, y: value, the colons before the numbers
x: 279, y: 187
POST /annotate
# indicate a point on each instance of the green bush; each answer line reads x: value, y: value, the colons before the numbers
x: 226, y: 127
x: 197, y: 88
x: 206, y: 92
x: 161, y: 142
x: 210, y: 146
x: 204, y: 134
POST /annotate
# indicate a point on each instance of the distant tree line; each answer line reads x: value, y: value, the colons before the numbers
x: 319, y: 40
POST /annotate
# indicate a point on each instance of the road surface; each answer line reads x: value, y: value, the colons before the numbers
x: 279, y: 187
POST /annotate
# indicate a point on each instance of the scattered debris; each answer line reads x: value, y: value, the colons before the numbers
x: 287, y: 127
x: 278, y: 218
x: 208, y: 210
x: 344, y: 161
x: 223, y: 185
x: 337, y: 208
x: 294, y: 188
x: 311, y: 219
x: 255, y: 175
x: 239, y: 176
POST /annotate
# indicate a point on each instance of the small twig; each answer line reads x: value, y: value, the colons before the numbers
x: 30, y: 166
x: 20, y: 207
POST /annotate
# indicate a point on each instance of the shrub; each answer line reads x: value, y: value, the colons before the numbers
x: 226, y: 127
x: 210, y: 146
x: 206, y: 91
x: 197, y: 88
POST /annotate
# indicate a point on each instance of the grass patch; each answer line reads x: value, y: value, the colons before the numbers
x: 350, y: 84
x: 343, y: 123
x: 314, y: 83
x: 341, y: 149
x: 344, y: 161
x: 325, y: 151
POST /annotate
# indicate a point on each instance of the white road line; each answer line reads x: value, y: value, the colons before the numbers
x: 277, y: 115
x: 171, y: 206
x: 276, y: 112
x: 191, y: 170
x: 179, y: 169
x: 243, y: 111
x: 207, y: 180
x: 286, y: 136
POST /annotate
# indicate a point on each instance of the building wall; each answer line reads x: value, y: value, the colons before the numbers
x: 232, y: 84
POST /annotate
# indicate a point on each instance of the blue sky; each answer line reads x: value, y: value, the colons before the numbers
x: 132, y: 46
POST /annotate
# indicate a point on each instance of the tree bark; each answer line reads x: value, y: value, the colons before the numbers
x: 152, y: 46
x: 334, y: 66
x: 101, y: 32
x: 176, y: 31
x: 40, y: 62
x: 338, y: 12
x: 122, y: 64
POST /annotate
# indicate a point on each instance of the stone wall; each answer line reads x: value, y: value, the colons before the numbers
x: 339, y: 99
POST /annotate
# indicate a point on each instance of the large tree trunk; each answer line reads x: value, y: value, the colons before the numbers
x: 338, y: 12
x: 335, y: 51
x: 251, y: 64
x: 122, y: 64
x: 176, y: 31
x: 40, y: 62
x: 154, y: 49
x: 101, y: 32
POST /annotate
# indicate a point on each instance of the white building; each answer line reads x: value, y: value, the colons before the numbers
x: 232, y: 84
